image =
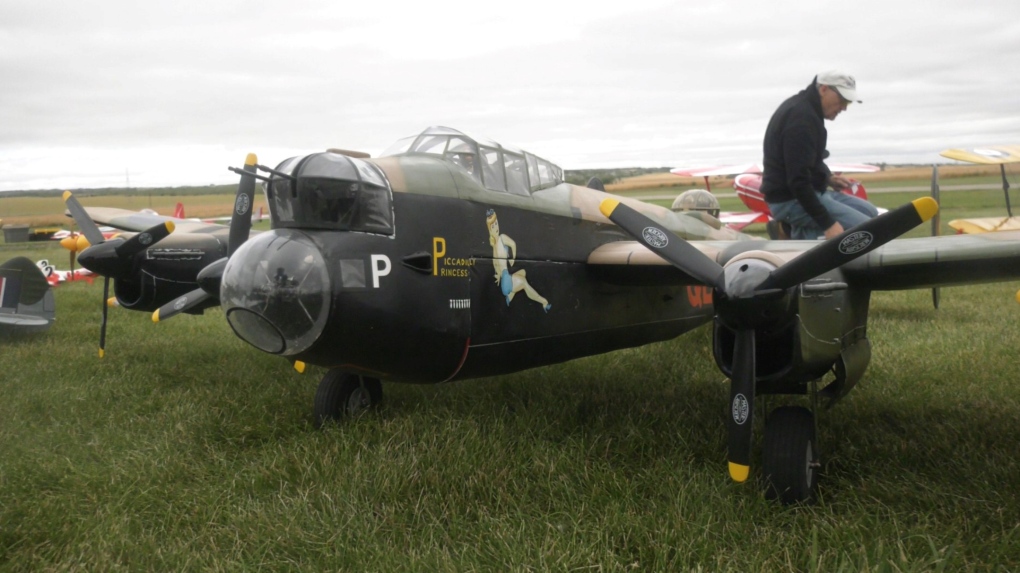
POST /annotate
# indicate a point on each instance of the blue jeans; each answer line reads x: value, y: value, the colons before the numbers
x: 847, y: 210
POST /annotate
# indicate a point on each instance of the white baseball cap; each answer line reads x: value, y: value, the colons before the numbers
x: 843, y: 83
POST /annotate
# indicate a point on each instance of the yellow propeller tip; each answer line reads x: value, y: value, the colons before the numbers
x: 739, y: 472
x: 66, y: 195
x: 607, y: 206
x: 102, y: 353
x: 926, y: 207
x: 155, y: 316
x: 112, y: 302
x: 170, y: 226
x: 1018, y: 296
x: 299, y: 366
x: 251, y: 159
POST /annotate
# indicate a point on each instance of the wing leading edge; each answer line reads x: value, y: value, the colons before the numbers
x: 901, y: 264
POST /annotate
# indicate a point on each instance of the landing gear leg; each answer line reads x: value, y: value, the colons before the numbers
x: 790, y: 456
x: 342, y: 395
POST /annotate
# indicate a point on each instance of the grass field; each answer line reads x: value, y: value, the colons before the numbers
x: 186, y: 449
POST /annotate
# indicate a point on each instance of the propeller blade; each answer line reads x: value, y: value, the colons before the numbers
x: 851, y: 244
x: 240, y: 220
x: 144, y: 240
x: 85, y: 223
x: 180, y: 304
x: 102, y: 328
x: 664, y: 243
x: 741, y: 420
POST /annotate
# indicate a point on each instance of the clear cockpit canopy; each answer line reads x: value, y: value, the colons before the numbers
x: 498, y: 167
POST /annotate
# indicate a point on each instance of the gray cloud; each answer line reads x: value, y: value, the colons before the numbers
x: 96, y: 92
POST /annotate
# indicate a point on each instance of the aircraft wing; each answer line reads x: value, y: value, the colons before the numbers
x: 986, y: 224
x: 939, y: 261
x: 739, y: 168
x: 994, y: 154
x: 913, y: 263
x: 136, y: 221
x: 22, y: 320
x: 739, y: 220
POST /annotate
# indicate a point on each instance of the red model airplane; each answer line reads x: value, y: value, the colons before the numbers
x: 748, y: 182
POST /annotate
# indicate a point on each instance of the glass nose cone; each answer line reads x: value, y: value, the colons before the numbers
x: 276, y: 293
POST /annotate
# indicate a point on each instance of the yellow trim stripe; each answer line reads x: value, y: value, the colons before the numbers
x: 607, y: 206
x: 739, y: 472
x: 926, y: 207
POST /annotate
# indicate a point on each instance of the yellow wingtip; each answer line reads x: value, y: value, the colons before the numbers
x: 926, y: 207
x: 607, y: 206
x: 251, y: 159
x: 739, y: 472
x: 299, y: 366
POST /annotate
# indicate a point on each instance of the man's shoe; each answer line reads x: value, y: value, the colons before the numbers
x: 776, y: 231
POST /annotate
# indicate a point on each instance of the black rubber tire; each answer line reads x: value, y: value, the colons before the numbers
x: 790, y: 456
x: 342, y: 395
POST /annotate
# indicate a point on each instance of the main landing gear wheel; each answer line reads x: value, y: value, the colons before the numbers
x: 789, y: 456
x: 341, y: 395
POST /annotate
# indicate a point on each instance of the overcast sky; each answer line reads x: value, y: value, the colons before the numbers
x: 102, y: 93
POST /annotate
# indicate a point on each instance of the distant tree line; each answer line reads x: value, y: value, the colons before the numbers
x: 157, y: 191
x: 581, y: 176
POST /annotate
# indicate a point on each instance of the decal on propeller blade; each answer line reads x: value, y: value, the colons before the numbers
x: 855, y: 242
x: 740, y: 409
x: 241, y: 204
x: 655, y: 237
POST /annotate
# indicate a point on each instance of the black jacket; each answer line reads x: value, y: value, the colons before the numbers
x: 794, y: 149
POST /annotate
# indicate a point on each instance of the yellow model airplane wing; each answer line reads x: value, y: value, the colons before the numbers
x: 995, y: 154
x: 985, y: 224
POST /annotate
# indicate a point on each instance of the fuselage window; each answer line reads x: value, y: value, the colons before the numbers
x: 492, y: 169
x: 516, y: 173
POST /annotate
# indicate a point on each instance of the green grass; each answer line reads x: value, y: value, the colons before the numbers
x: 186, y: 449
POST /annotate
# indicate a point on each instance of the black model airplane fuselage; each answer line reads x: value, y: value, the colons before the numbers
x: 429, y: 276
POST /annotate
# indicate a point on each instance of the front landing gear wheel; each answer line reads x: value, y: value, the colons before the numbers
x: 789, y: 456
x: 341, y: 395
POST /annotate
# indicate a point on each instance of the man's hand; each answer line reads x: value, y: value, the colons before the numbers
x: 838, y: 182
x: 833, y: 231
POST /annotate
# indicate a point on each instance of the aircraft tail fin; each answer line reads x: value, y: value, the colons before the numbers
x: 21, y: 282
x: 179, y: 210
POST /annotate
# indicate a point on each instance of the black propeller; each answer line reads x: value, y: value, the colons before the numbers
x: 111, y: 258
x: 755, y: 291
x: 240, y: 229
